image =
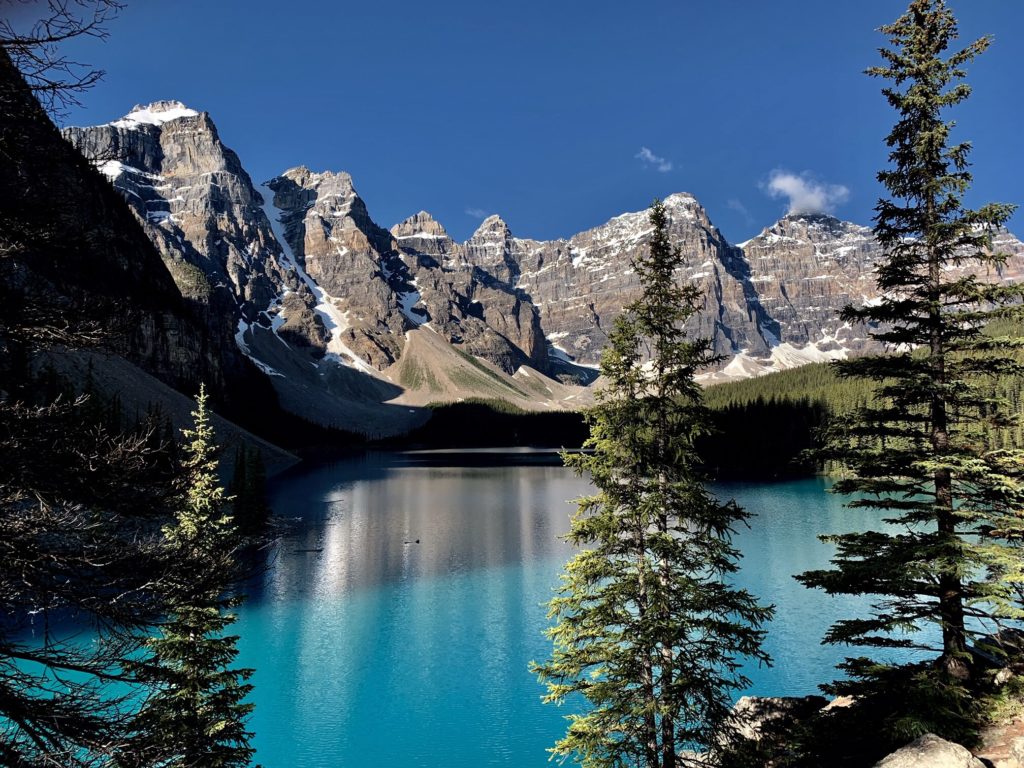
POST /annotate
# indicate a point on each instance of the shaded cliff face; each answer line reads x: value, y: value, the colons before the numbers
x: 73, y: 257
x: 467, y: 292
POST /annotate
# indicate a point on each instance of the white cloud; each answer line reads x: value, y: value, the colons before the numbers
x: 735, y: 205
x: 651, y: 160
x: 477, y: 213
x: 804, y: 193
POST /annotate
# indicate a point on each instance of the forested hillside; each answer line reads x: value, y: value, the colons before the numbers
x: 780, y: 415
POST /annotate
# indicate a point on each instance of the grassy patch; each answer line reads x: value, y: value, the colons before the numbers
x: 487, y: 372
x: 415, y: 376
x: 190, y: 279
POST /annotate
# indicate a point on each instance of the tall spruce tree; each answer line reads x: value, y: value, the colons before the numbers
x: 196, y: 716
x: 918, y: 451
x: 248, y: 489
x: 649, y: 630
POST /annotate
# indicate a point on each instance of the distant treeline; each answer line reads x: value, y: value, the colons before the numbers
x: 816, y: 383
x: 764, y: 439
x: 766, y: 423
x: 479, y: 423
x: 765, y: 427
x: 754, y: 439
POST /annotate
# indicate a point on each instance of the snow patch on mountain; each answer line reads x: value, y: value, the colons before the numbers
x: 157, y: 113
x: 407, y: 304
x: 555, y: 352
x: 113, y: 169
x: 783, y: 357
x: 243, y: 329
x: 335, y: 321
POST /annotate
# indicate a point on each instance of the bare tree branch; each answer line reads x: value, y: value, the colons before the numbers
x: 32, y: 31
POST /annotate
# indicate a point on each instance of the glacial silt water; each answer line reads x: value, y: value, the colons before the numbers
x: 396, y: 625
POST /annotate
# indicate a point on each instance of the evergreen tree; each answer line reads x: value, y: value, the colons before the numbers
x: 78, y: 502
x: 75, y: 552
x: 256, y: 491
x: 238, y: 486
x: 918, y: 450
x: 196, y: 716
x: 248, y: 489
x: 648, y: 630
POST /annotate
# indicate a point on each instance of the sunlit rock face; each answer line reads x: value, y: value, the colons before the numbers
x: 558, y: 299
x: 806, y: 268
x: 194, y: 198
x: 296, y: 274
x: 335, y: 241
x: 581, y: 284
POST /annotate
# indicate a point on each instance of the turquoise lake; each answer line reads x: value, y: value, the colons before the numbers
x: 373, y: 650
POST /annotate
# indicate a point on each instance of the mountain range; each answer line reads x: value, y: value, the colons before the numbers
x: 357, y: 326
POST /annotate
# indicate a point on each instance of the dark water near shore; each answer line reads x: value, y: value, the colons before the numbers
x: 372, y: 649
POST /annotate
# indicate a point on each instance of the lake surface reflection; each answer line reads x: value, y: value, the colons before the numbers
x: 372, y: 649
x: 384, y: 519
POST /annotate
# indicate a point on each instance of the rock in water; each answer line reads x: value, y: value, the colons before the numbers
x: 758, y: 717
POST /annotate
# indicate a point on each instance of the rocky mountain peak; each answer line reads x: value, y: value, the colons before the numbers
x: 307, y: 178
x: 299, y: 260
x: 329, y: 196
x: 810, y: 218
x: 154, y: 113
x: 805, y: 268
x: 419, y: 225
x: 814, y: 228
x: 196, y: 202
x: 349, y: 257
x: 681, y: 200
x: 491, y: 228
x: 627, y: 229
x: 684, y: 207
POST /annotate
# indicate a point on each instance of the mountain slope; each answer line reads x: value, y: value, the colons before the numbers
x: 84, y: 292
x: 582, y: 284
x: 73, y: 256
x: 357, y: 326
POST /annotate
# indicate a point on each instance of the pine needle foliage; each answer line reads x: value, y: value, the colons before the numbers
x: 649, y: 632
x: 196, y: 718
x: 77, y: 508
x: 921, y: 448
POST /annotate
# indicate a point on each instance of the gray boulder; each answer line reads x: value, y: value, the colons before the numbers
x: 929, y: 751
x: 758, y: 717
x: 1017, y: 753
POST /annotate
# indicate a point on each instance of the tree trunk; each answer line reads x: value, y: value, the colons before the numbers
x: 668, y: 726
x: 951, y: 597
x: 647, y: 667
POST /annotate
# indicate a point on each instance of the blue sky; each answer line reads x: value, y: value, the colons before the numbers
x: 558, y: 114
